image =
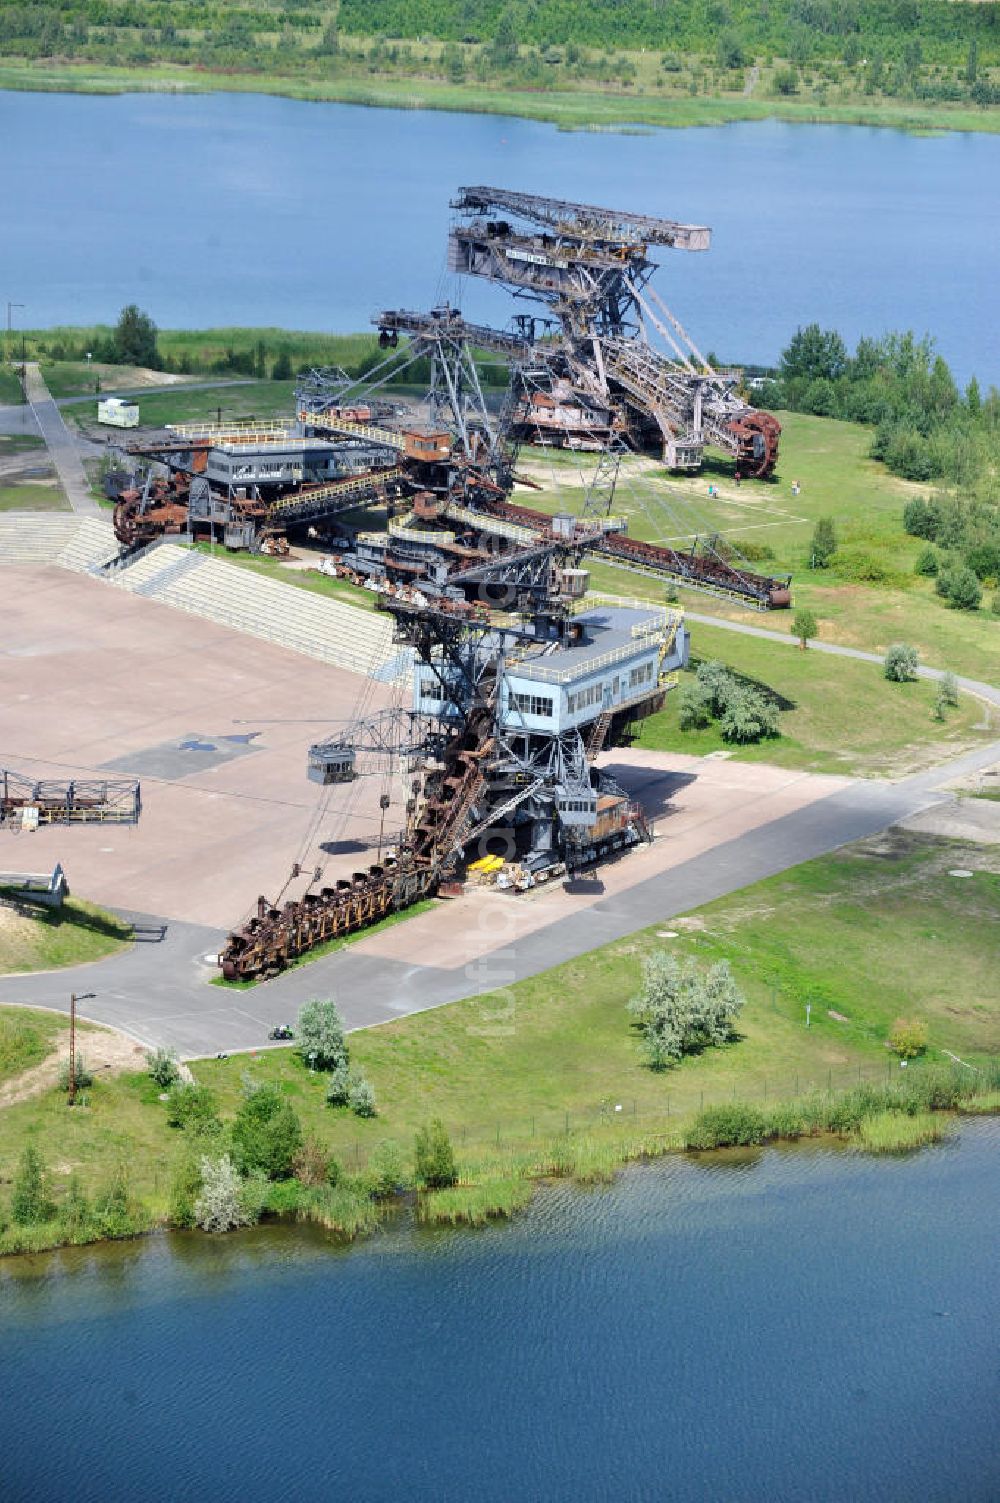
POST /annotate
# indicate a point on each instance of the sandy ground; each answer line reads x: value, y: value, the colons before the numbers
x: 105, y: 1051
x: 90, y: 674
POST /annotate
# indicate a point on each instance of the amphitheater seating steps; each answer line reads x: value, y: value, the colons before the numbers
x: 33, y: 537
x: 317, y: 626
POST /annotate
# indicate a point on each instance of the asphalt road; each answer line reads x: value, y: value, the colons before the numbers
x: 160, y: 991
x: 61, y: 445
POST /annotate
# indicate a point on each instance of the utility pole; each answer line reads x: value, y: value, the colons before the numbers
x: 10, y: 307
x: 73, y: 1000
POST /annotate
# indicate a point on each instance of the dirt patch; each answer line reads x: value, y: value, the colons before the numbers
x: 104, y: 1050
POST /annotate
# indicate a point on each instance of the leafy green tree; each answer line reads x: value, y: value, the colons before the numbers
x: 266, y: 1133
x: 961, y: 588
x: 30, y: 1201
x: 972, y: 61
x: 730, y: 50
x: 434, y: 1156
x: 320, y: 1034
x: 717, y: 682
x: 749, y: 716
x: 804, y: 626
x: 786, y: 81
x: 678, y: 1010
x: 900, y: 665
x: 824, y: 543
x: 282, y: 367
x: 694, y: 706
x: 134, y: 339
x: 814, y: 353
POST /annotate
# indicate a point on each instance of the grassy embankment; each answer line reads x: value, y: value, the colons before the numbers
x: 33, y: 938
x: 529, y: 1081
x: 830, y: 461
x: 653, y: 101
x: 836, y: 716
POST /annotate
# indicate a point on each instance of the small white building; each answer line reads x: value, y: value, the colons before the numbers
x: 118, y: 413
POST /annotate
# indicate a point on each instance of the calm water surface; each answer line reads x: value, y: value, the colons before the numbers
x: 803, y: 1325
x: 240, y: 209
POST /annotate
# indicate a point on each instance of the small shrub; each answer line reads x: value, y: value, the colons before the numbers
x: 220, y: 1206
x: 338, y: 1086
x: 84, y: 1076
x: 266, y: 1134
x: 908, y: 1038
x: 736, y: 1126
x: 804, y: 626
x: 386, y: 1174
x: 927, y: 562
x: 311, y: 1164
x: 434, y: 1156
x: 961, y: 588
x: 76, y: 1213
x: 948, y: 688
x: 192, y: 1107
x: 185, y: 1189
x: 900, y: 665
x: 995, y: 604
x: 30, y: 1201
x: 361, y: 1097
x: 285, y: 1197
x: 162, y: 1067
x: 824, y: 543
x: 116, y: 1211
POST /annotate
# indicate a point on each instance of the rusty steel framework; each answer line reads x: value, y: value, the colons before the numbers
x: 436, y: 824
x: 591, y: 269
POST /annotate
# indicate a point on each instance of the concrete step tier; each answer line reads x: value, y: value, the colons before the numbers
x: 328, y: 630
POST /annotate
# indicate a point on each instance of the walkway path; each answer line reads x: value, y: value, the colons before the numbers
x: 61, y: 444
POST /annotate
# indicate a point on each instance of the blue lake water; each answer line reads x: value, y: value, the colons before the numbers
x: 802, y: 1324
x: 242, y: 209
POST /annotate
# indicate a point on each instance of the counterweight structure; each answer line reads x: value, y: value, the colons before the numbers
x: 591, y: 269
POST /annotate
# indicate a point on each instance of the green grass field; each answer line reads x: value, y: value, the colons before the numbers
x: 559, y: 1049
x: 44, y: 939
x: 842, y: 716
x: 829, y: 460
x: 11, y: 394
x: 27, y: 1036
x: 259, y: 399
x: 32, y: 498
